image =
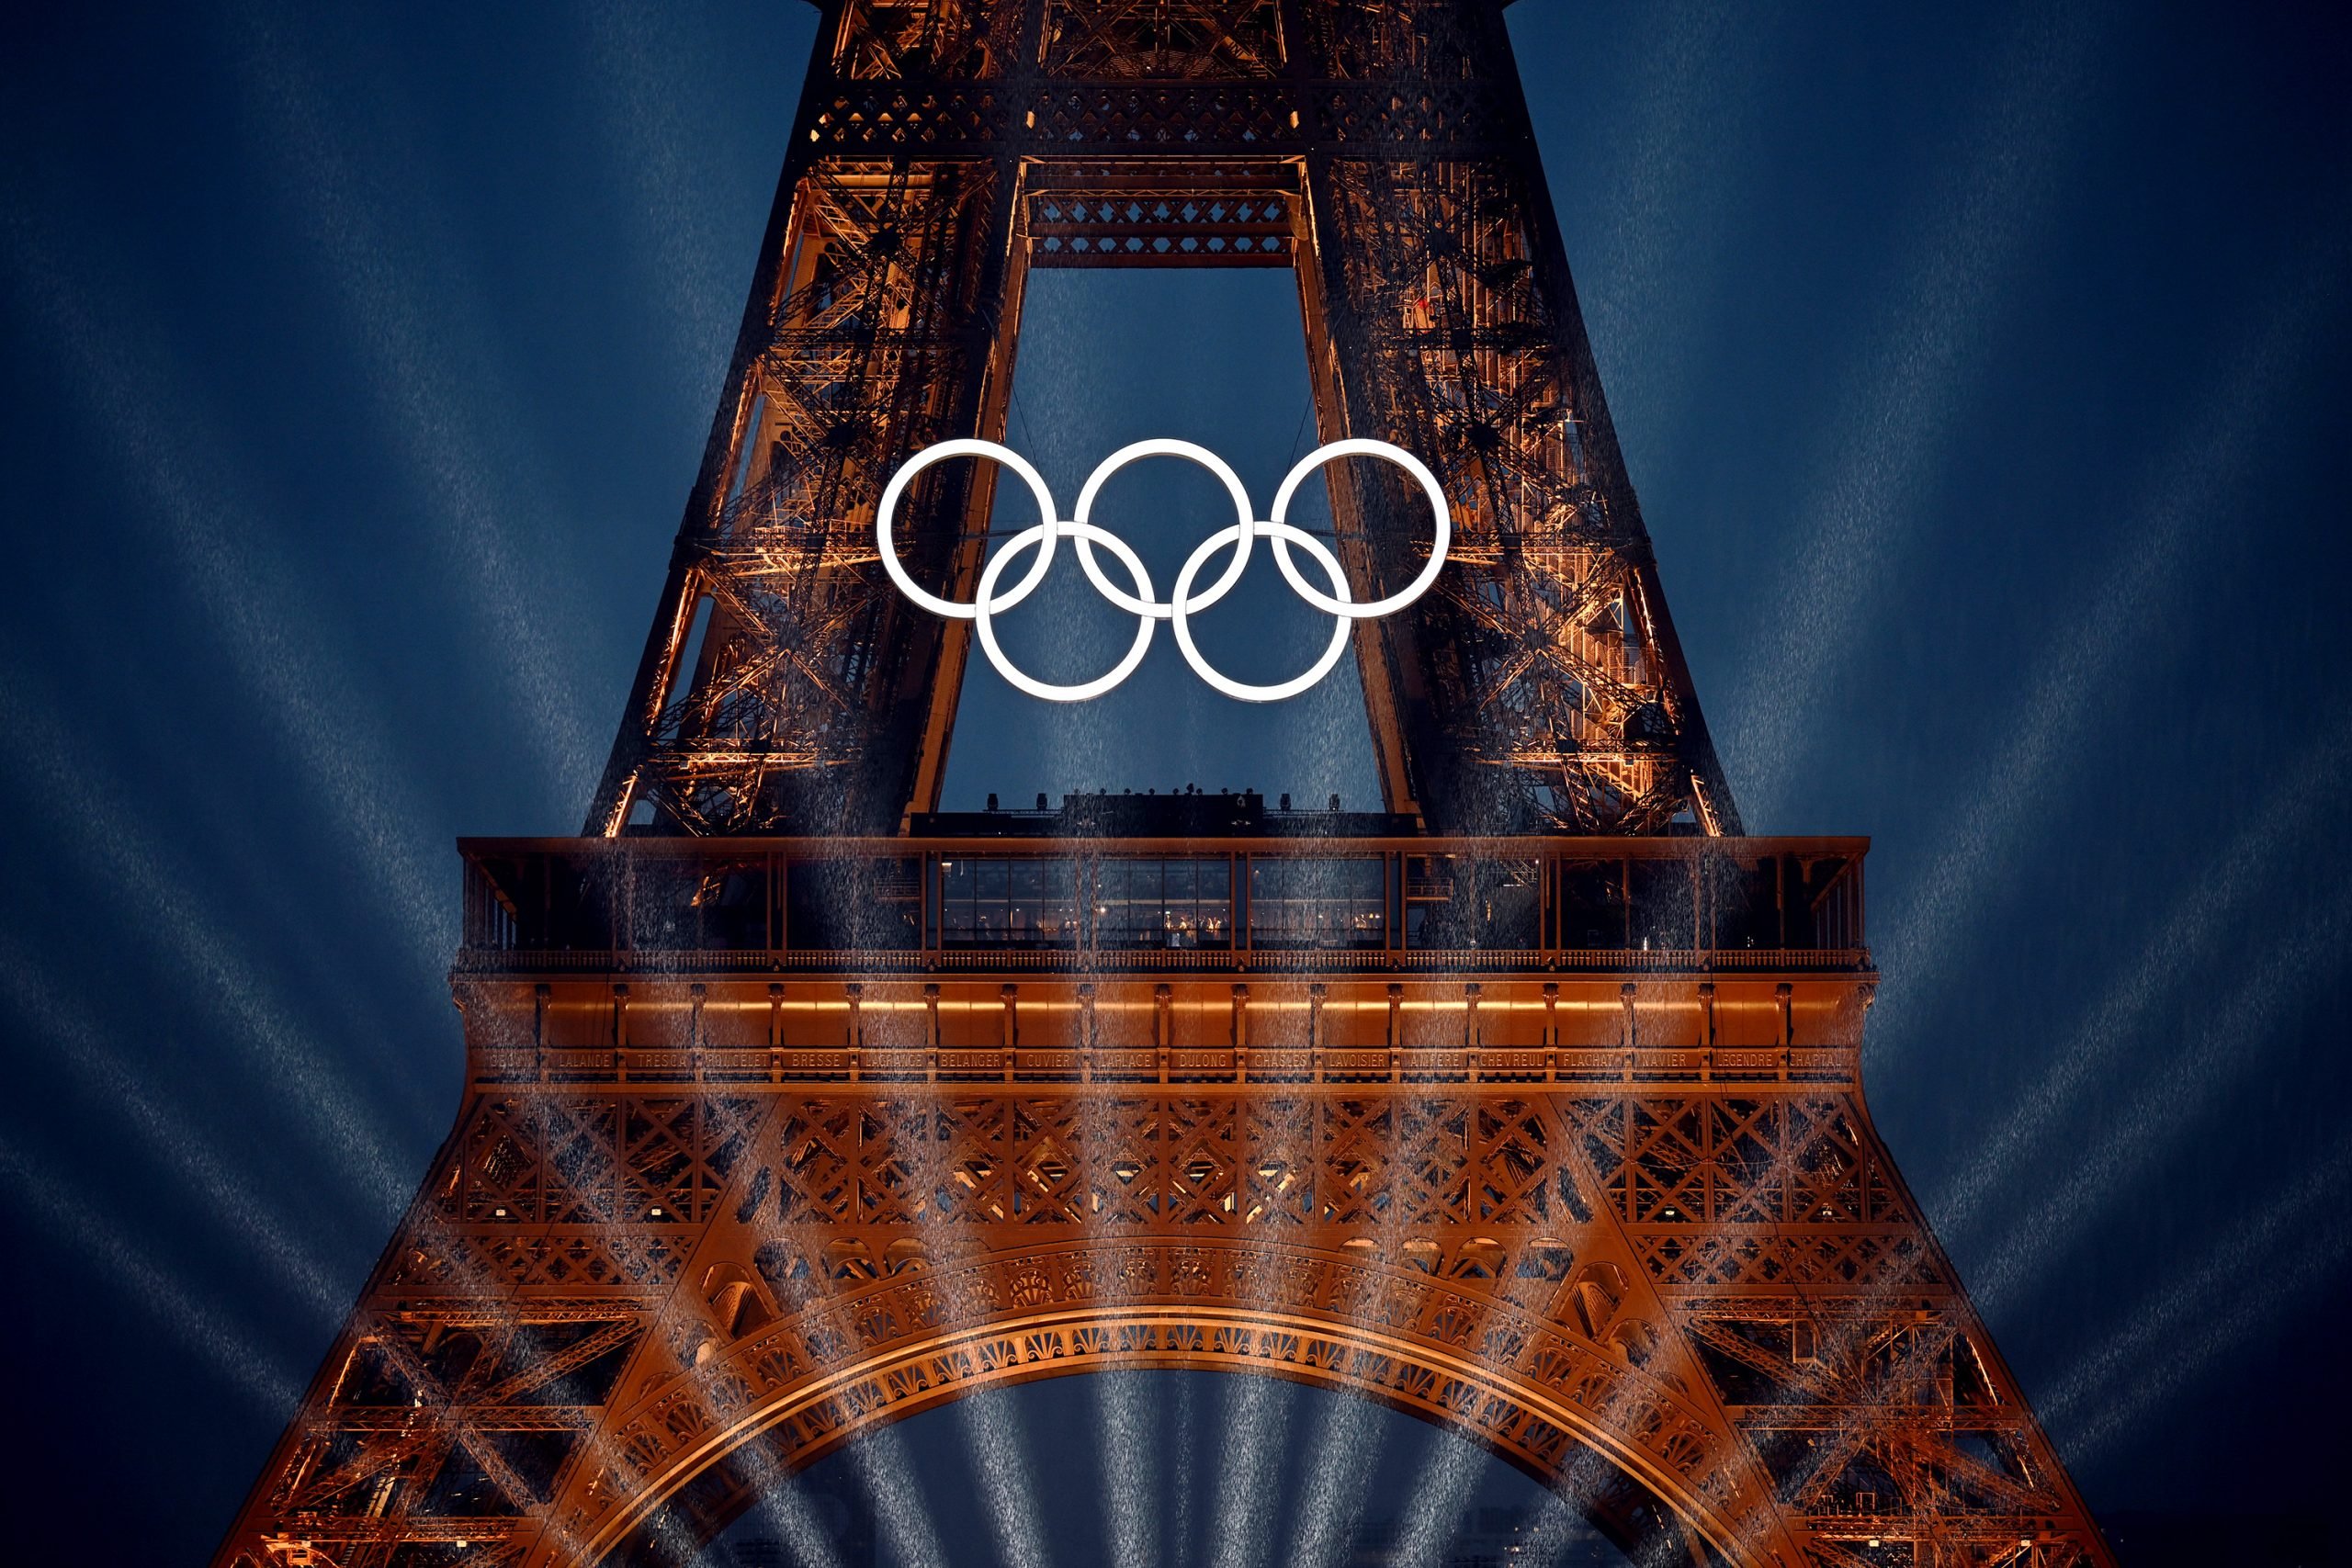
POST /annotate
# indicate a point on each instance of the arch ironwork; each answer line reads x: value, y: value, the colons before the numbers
x: 1541, y: 1082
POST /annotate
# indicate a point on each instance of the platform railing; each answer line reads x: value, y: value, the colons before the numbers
x: 1338, y: 906
x: 1188, y: 961
x: 1294, y: 1066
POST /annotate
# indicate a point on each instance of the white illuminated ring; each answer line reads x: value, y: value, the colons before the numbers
x: 1239, y: 536
x: 1040, y: 538
x: 939, y: 454
x: 1283, y: 536
x: 1360, y: 448
x: 1206, y: 460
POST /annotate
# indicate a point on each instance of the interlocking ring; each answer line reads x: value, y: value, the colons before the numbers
x: 1240, y: 537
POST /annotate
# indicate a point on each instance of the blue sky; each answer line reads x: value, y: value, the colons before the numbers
x: 1982, y: 375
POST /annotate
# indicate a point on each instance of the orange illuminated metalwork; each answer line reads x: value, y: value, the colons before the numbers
x: 1529, y: 1104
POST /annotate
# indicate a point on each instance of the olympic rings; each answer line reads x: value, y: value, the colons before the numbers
x: 1240, y: 537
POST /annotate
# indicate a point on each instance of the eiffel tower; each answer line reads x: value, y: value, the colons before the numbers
x: 1529, y: 1104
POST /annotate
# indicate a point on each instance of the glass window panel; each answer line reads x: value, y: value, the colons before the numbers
x: 1318, y: 903
x: 1592, y: 903
x: 1463, y: 902
x: 998, y: 902
x: 1179, y: 902
x: 838, y: 905
x: 1664, y: 915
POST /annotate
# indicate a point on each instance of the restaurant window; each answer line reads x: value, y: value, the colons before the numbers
x: 1665, y: 917
x: 852, y: 905
x: 1178, y: 902
x: 1318, y: 903
x: 1744, y: 902
x: 1464, y: 902
x: 989, y: 902
x: 1592, y: 897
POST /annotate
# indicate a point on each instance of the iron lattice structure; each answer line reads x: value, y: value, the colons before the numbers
x: 1381, y: 150
x: 793, y: 1107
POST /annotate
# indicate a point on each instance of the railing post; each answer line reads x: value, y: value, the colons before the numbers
x: 1315, y: 994
x: 1551, y: 1032
x: 853, y: 1038
x: 1396, y: 1032
x: 1632, y: 1034
x: 1240, y: 1033
x: 1783, y: 994
x: 1163, y: 1023
x: 620, y: 1030
x: 930, y: 1007
x: 776, y: 1031
x: 694, y: 1031
x: 1086, y: 1031
x: 1707, y: 1030
x: 1470, y: 994
x: 1012, y: 997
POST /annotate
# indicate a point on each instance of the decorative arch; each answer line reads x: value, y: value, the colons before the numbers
x: 692, y: 1445
x: 1630, y: 1516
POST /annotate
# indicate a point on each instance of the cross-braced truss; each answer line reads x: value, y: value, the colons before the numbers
x: 1382, y: 151
x: 799, y: 641
x: 1614, y: 1209
x: 646, y: 1280
x: 1542, y: 663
